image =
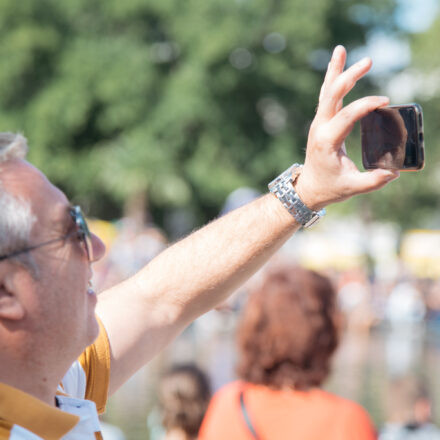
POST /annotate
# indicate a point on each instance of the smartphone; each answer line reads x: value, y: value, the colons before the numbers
x: 392, y: 138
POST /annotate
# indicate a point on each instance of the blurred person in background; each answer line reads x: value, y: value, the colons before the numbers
x: 405, y: 306
x: 111, y: 432
x: 354, y: 297
x: 409, y: 411
x: 432, y: 301
x: 405, y: 315
x: 59, y: 360
x: 287, y: 336
x: 184, y: 394
x: 133, y: 247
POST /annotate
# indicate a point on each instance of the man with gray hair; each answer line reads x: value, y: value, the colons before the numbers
x: 47, y: 303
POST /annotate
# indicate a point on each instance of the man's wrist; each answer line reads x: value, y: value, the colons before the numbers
x: 308, y: 198
x: 283, y: 188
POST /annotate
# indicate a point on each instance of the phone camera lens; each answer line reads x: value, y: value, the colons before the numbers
x: 421, y: 137
x: 420, y: 120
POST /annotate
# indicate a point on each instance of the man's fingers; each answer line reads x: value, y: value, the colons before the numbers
x: 370, y: 180
x: 336, y: 89
x: 343, y: 122
x: 347, y: 80
x: 335, y: 68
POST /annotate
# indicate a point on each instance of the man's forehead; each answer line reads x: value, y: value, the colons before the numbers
x: 23, y: 180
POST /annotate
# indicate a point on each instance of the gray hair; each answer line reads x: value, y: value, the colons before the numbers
x: 16, y: 217
x: 12, y: 146
x: 16, y: 220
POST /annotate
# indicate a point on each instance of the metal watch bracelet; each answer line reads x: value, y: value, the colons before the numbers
x: 282, y: 188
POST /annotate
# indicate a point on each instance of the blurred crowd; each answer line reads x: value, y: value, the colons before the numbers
x: 404, y: 301
x: 366, y: 302
x: 404, y: 308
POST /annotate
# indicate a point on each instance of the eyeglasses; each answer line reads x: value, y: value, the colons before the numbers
x: 81, y: 231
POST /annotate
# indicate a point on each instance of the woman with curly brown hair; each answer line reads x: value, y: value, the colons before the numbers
x: 286, y: 339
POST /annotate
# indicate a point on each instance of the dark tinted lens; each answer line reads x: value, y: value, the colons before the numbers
x: 84, y: 231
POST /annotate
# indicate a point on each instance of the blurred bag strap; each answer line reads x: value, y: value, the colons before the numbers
x: 247, y: 418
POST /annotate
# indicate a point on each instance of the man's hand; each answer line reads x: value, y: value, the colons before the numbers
x: 329, y: 175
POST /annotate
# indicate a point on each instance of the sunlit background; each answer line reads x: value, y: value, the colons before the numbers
x: 160, y: 115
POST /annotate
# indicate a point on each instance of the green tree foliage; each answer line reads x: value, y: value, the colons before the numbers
x: 180, y: 102
x: 425, y: 69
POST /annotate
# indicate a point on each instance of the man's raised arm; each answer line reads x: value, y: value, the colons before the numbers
x: 144, y: 313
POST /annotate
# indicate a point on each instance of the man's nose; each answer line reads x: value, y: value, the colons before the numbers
x: 98, y: 247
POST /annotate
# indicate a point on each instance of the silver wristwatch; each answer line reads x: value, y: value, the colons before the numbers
x: 282, y: 187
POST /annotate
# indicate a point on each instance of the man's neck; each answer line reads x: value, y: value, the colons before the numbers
x: 31, y: 381
x: 41, y: 392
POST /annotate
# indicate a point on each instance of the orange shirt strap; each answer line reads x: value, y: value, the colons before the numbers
x: 95, y: 361
x: 22, y: 409
x: 5, y: 429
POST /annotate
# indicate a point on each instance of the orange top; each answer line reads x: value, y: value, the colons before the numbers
x: 289, y: 415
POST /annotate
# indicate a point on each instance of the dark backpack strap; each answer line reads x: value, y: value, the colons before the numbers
x: 246, y: 417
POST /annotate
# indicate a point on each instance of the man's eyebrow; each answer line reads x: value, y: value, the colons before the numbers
x: 62, y: 217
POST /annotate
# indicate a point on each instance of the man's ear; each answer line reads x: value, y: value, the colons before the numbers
x: 10, y: 306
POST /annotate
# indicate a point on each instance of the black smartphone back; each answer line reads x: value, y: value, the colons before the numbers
x: 392, y: 138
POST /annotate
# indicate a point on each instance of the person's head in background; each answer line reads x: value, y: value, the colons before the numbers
x: 184, y: 394
x: 289, y: 330
x: 409, y: 402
